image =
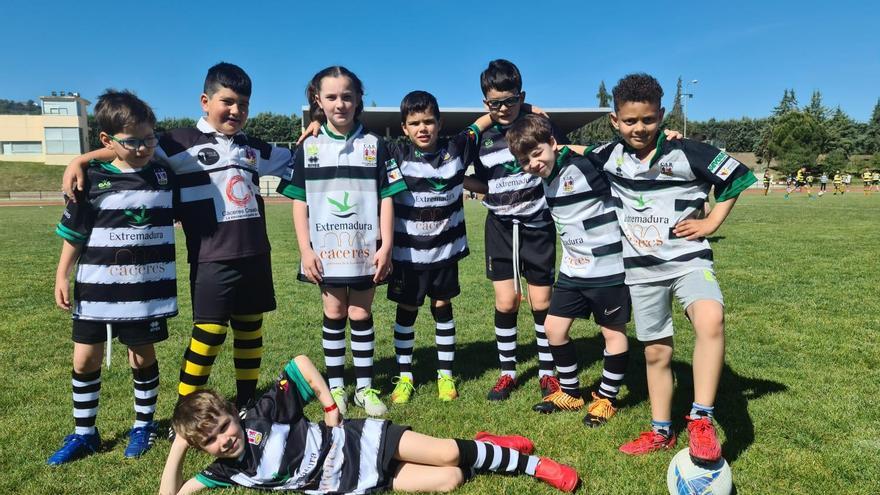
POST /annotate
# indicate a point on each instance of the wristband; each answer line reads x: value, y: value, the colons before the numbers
x: 330, y: 407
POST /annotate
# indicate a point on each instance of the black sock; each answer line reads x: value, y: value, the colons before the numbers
x: 505, y: 339
x: 565, y: 358
x: 613, y: 372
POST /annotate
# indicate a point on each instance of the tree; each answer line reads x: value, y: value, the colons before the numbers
x: 787, y: 104
x: 815, y: 109
x: 795, y: 140
x: 842, y: 132
x: 11, y: 107
x: 602, y: 96
x: 273, y: 127
x: 834, y: 161
x: 873, y: 134
x: 675, y: 118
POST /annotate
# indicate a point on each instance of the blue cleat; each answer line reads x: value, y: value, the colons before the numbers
x: 75, y: 446
x: 140, y: 440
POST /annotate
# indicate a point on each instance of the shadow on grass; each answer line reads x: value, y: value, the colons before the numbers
x: 731, y: 404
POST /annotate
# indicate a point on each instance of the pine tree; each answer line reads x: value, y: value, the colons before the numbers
x: 675, y: 118
x: 603, y: 96
x: 815, y: 108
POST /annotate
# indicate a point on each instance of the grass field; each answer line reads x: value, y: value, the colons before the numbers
x: 797, y: 407
x: 24, y: 176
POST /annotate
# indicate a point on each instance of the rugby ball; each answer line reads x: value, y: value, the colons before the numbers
x: 686, y: 478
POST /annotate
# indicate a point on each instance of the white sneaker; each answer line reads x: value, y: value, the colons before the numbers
x: 368, y: 398
x: 338, y: 394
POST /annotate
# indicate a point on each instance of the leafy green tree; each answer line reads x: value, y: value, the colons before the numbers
x: 873, y: 134
x: 603, y: 97
x: 787, y: 104
x: 795, y: 140
x: 837, y: 159
x: 675, y: 117
x: 168, y: 124
x: 842, y: 132
x: 273, y: 127
x: 815, y: 109
x: 11, y: 107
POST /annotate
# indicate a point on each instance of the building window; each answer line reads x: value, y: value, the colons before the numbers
x: 22, y: 148
x: 59, y: 107
x: 62, y: 141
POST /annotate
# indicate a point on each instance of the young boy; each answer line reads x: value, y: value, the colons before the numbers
x: 429, y: 234
x: 838, y: 183
x: 660, y: 188
x: 274, y: 447
x: 222, y: 213
x: 519, y: 233
x: 120, y: 233
x: 867, y: 176
x: 591, y: 276
x: 767, y: 180
x: 823, y: 183
x: 810, y: 180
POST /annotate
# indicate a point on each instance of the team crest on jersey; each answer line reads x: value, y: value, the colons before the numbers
x: 104, y: 184
x: 250, y: 156
x: 666, y: 168
x: 312, y: 155
x: 369, y: 154
x: 619, y: 162
x: 447, y: 157
x: 254, y: 437
x: 568, y: 184
x: 488, y: 143
x: 283, y: 385
x: 161, y: 177
x: 208, y: 156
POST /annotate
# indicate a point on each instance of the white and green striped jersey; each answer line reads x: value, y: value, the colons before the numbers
x: 586, y: 221
x: 343, y: 180
x: 124, y: 223
x: 651, y: 198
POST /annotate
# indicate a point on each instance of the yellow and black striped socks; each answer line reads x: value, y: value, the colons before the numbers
x: 198, y: 359
x: 247, y: 354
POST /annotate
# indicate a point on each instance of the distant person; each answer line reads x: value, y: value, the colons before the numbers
x: 838, y: 183
x: 876, y: 179
x: 823, y: 183
x: 810, y: 180
x: 768, y: 178
x: 867, y: 178
x: 124, y: 213
x: 847, y: 180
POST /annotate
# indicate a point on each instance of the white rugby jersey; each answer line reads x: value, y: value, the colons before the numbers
x: 653, y: 197
x: 124, y: 221
x: 586, y: 221
x: 513, y: 194
x: 343, y: 180
x: 284, y: 451
x: 429, y: 227
x: 222, y: 211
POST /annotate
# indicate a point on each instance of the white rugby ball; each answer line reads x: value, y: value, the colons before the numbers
x: 686, y: 478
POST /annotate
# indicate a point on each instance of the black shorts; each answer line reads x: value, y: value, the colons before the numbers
x: 387, y: 461
x: 233, y: 287
x: 130, y: 333
x: 410, y: 286
x: 537, y: 252
x: 799, y: 183
x: 610, y: 306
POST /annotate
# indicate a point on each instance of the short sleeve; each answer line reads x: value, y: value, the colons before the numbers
x: 278, y: 163
x: 467, y: 144
x: 217, y: 475
x: 729, y: 176
x: 76, y: 219
x: 284, y: 402
x: 389, y: 178
x: 293, y: 184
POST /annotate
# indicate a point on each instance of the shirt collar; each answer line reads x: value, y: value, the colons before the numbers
x: 356, y: 130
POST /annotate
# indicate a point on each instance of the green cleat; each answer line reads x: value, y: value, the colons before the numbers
x: 446, y: 388
x: 402, y: 390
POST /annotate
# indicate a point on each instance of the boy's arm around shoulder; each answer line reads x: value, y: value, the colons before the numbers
x: 74, y: 174
x: 172, y: 475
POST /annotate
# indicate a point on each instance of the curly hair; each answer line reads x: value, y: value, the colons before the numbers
x: 639, y: 87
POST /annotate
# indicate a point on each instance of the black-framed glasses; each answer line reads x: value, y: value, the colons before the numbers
x: 507, y: 102
x: 133, y: 144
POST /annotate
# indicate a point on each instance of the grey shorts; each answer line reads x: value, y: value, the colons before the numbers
x: 652, y: 302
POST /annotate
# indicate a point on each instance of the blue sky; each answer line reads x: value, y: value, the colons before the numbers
x: 744, y: 54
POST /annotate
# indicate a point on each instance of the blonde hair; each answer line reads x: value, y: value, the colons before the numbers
x: 198, y: 414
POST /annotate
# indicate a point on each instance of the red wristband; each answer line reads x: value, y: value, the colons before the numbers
x: 330, y: 407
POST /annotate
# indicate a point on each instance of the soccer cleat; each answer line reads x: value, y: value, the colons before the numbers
x: 338, y: 394
x: 649, y: 441
x: 549, y: 384
x: 557, y: 475
x: 446, y: 388
x: 75, y: 446
x: 140, y: 440
x: 599, y: 411
x: 403, y: 389
x: 702, y: 440
x: 558, y: 401
x: 502, y: 389
x: 518, y: 443
x: 368, y: 398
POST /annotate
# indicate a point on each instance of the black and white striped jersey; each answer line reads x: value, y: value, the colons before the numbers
x: 653, y: 197
x: 284, y: 451
x: 580, y: 203
x: 513, y: 194
x: 343, y: 180
x: 124, y: 222
x: 429, y: 227
x: 219, y: 178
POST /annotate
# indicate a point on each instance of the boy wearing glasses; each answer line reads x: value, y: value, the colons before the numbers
x: 519, y: 231
x: 120, y: 234
x: 222, y: 213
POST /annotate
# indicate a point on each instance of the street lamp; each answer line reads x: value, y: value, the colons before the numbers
x: 687, y: 95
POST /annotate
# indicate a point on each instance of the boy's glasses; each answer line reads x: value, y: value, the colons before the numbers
x: 133, y: 144
x: 507, y: 102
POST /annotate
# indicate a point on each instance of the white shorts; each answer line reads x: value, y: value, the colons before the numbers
x: 652, y: 302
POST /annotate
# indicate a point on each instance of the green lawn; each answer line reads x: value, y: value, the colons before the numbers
x: 24, y: 176
x: 797, y: 407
